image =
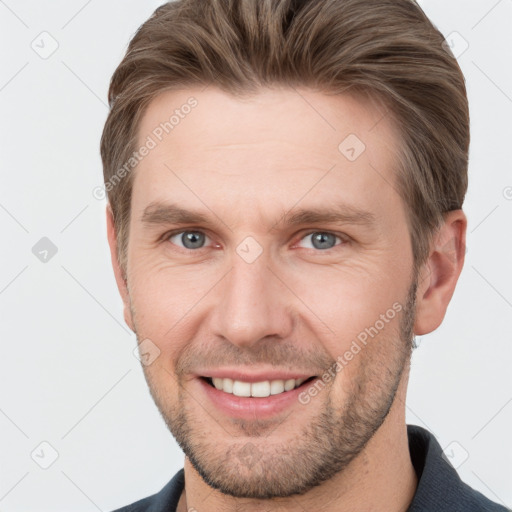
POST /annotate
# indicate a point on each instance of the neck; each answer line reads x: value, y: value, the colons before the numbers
x: 381, y: 477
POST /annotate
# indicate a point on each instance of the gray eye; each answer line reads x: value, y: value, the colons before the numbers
x: 190, y: 239
x: 321, y: 240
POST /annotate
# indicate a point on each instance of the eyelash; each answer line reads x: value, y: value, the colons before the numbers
x: 342, y: 237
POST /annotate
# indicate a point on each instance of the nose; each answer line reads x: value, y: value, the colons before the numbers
x: 252, y: 304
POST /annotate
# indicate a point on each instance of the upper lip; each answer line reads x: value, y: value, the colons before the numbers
x: 260, y: 376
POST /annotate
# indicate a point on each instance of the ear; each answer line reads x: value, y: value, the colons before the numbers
x: 121, y: 281
x: 440, y: 273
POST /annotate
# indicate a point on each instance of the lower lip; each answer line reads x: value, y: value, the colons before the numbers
x: 253, y: 407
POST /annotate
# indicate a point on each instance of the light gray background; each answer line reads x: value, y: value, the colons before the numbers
x: 68, y: 374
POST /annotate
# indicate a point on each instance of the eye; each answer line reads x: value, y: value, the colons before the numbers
x: 192, y: 239
x: 188, y: 239
x: 321, y: 240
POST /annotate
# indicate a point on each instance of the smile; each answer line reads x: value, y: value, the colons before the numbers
x: 260, y: 389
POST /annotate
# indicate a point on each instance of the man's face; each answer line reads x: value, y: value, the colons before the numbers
x: 260, y: 291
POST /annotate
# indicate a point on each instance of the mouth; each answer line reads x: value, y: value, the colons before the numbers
x: 262, y: 389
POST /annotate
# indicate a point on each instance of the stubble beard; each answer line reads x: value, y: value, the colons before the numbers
x: 259, y: 469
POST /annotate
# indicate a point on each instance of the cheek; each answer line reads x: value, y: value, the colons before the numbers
x: 343, y: 306
x: 164, y: 300
x: 365, y: 348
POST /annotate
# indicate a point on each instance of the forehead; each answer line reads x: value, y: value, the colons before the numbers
x: 266, y: 149
x: 215, y: 117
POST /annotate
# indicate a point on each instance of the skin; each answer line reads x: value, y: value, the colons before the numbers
x: 245, y: 163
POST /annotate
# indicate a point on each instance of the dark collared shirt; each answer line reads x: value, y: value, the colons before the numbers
x: 439, y: 487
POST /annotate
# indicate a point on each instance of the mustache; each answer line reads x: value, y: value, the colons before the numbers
x: 282, y: 355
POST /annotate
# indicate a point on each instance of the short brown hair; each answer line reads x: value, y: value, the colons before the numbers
x: 387, y: 49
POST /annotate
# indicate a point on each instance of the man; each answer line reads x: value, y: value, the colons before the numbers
x: 285, y: 183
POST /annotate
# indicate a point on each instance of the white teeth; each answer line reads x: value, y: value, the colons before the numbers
x: 241, y: 388
x: 289, y: 384
x: 227, y: 385
x: 276, y: 387
x: 260, y: 389
x: 256, y: 389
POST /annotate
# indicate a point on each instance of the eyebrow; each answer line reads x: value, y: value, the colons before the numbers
x: 159, y: 212
x: 162, y: 213
x: 341, y: 214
